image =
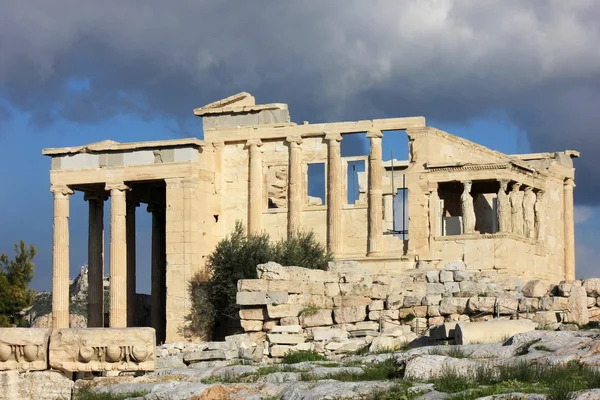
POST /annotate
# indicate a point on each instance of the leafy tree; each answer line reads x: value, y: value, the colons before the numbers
x: 15, y: 276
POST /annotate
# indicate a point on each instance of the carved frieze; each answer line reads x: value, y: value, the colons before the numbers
x: 100, y: 349
x: 24, y: 349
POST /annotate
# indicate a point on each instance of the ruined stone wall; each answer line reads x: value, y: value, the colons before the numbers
x: 299, y: 308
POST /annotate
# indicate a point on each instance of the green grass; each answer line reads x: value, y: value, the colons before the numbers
x: 541, y: 347
x: 86, y: 394
x: 397, y: 392
x: 448, y: 351
x: 381, y: 371
x: 308, y: 311
x: 294, y: 357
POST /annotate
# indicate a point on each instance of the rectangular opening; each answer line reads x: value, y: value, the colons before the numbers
x: 276, y: 186
x: 316, y: 184
x: 400, y: 217
x: 355, y: 193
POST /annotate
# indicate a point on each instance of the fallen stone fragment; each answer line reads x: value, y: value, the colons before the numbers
x: 490, y: 331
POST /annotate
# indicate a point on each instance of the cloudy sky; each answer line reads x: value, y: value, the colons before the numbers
x: 517, y: 76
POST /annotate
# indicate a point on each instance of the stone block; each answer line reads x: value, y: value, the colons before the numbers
x: 289, y: 321
x: 284, y: 310
x: 355, y: 289
x: 267, y: 326
x: 193, y: 357
x: 377, y: 305
x: 332, y: 289
x: 102, y: 349
x: 460, y: 276
x: 433, y: 276
x: 274, y: 272
x: 380, y: 291
x: 545, y: 319
x: 394, y: 301
x: 24, y: 349
x: 481, y: 304
x: 351, y: 301
x: 535, y: 288
x: 507, y: 305
x: 328, y: 334
x: 490, y: 331
x: 348, y: 315
x: 433, y: 311
x: 284, y: 338
x: 530, y: 304
x: 592, y: 287
x: 388, y: 315
x: 436, y: 320
x: 455, y: 266
x: 564, y: 288
x: 558, y: 303
x: 38, y: 385
x: 279, y: 351
x: 435, y: 288
x: 251, y: 325
x: 446, y: 276
x: 410, y: 301
x: 432, y: 300
x: 251, y: 285
x: 420, y: 311
x: 453, y: 305
x: 418, y: 276
x: 386, y: 343
x: 591, y: 302
x: 287, y: 329
x: 321, y: 317
x: 468, y: 289
x: 451, y: 288
x: 405, y: 312
x: 577, y: 312
x: 362, y: 326
x: 261, y: 298
x: 257, y: 314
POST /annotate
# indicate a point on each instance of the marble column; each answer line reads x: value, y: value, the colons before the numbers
x: 388, y: 211
x: 131, y: 205
x: 118, y: 255
x: 60, y: 257
x: 334, y: 193
x: 95, y: 308
x: 375, y: 223
x: 569, y: 222
x: 255, y: 191
x: 158, y: 271
x: 434, y: 208
x: 294, y: 185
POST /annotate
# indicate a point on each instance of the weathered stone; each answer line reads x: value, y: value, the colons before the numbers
x: 394, y: 301
x: 99, y: 349
x: 283, y: 338
x: 468, y: 289
x: 558, y: 303
x: 577, y: 312
x: 490, y: 331
x: 24, y: 349
x: 377, y: 305
x: 507, y: 305
x: 545, y: 319
x: 355, y: 289
x: 332, y: 289
x: 386, y: 343
x: 433, y: 276
x: 289, y: 321
x: 268, y: 325
x: 410, y: 301
x: 405, y: 312
x: 283, y: 310
x: 351, y: 301
x: 380, y: 291
x: 251, y: 325
x: 274, y: 272
x: 460, y: 276
x: 535, y: 288
x: 388, y: 315
x: 591, y: 302
x: 38, y: 385
x: 287, y: 329
x: 592, y: 287
x: 451, y: 288
x: 319, y: 301
x: 529, y: 304
x: 348, y: 315
x: 327, y: 334
x: 442, y: 331
x: 453, y: 305
x: 261, y: 298
x: 278, y: 351
x: 435, y: 288
x: 433, y: 311
x: 321, y: 317
x: 258, y: 314
x: 316, y: 288
x: 446, y: 276
x: 436, y: 320
x: 206, y: 355
x: 432, y: 300
x: 564, y: 288
x: 455, y: 266
x: 481, y: 304
x: 420, y: 311
x: 362, y: 326
x: 251, y: 285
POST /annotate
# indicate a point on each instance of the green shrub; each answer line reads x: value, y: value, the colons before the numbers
x: 235, y: 258
x: 294, y: 357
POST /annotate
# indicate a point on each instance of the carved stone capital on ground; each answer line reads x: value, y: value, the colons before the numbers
x: 374, y: 134
x: 61, y: 189
x: 24, y: 349
x: 120, y: 186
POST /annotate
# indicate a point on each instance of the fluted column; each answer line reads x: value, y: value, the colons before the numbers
x: 294, y: 185
x: 255, y: 194
x: 131, y: 262
x: 375, y: 224
x: 118, y: 255
x: 95, y: 308
x: 334, y: 193
x: 158, y: 271
x: 569, y: 222
x: 60, y: 257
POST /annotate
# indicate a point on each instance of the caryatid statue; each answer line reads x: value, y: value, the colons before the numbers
x: 539, y: 215
x: 528, y: 212
x: 468, y: 211
x: 516, y: 208
x: 504, y: 213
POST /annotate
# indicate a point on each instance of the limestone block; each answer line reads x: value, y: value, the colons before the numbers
x: 351, y: 301
x: 433, y: 276
x: 355, y: 289
x: 251, y: 285
x: 592, y: 287
x: 362, y: 326
x: 451, y: 288
x: 577, y: 312
x: 386, y: 343
x: 436, y: 320
x: 545, y: 319
x: 420, y: 311
x: 496, y: 331
x: 266, y: 326
x: 380, y: 291
x: 356, y: 276
x: 460, y: 276
x: 435, y: 288
x: 494, y: 289
x: 591, y: 302
x: 433, y: 311
x: 418, y: 276
x: 594, y: 313
x: 388, y: 315
x: 328, y: 334
x: 431, y: 300
x: 529, y: 304
x: 304, y: 347
x: 468, y: 288
x: 320, y: 317
x: 394, y: 301
x: 446, y: 276
x: 405, y: 312
x: 193, y: 357
x: 102, y: 349
x: 287, y: 329
x: 559, y: 303
x: 377, y: 305
x: 284, y: 310
x: 251, y: 325
x: 258, y: 314
x: 38, y: 385
x: 414, y: 289
x: 317, y: 288
x: 278, y: 351
x: 481, y: 304
x: 347, y: 315
x: 24, y: 349
x: 410, y: 301
x: 261, y: 298
x: 320, y: 301
x: 453, y: 305
x: 507, y: 305
x: 332, y: 289
x: 284, y: 338
x: 535, y: 288
x: 274, y: 272
x: 564, y: 288
x: 285, y: 321
x: 455, y: 266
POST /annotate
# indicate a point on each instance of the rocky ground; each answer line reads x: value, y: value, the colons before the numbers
x: 552, y: 365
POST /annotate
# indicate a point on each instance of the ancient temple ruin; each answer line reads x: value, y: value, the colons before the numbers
x: 460, y: 201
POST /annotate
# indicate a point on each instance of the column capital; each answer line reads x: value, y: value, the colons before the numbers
x: 374, y: 134
x: 117, y: 186
x: 254, y: 142
x: 294, y: 139
x: 218, y: 144
x: 333, y: 137
x: 432, y: 187
x: 98, y: 196
x: 569, y: 182
x: 61, y: 189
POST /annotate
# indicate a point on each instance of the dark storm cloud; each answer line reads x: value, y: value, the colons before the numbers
x: 535, y: 62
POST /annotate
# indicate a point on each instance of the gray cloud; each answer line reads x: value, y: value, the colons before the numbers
x: 537, y: 63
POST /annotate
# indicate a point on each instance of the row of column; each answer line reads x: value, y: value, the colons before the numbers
x: 122, y: 311
x: 335, y: 193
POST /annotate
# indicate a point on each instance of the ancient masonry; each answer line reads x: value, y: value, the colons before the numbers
x: 510, y: 214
